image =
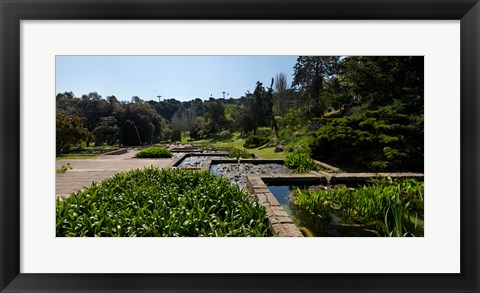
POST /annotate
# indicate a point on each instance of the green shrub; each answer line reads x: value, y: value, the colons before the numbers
x: 63, y: 168
x: 300, y: 163
x: 300, y: 144
x: 238, y: 153
x: 155, y: 202
x: 394, y: 206
x: 255, y: 141
x: 155, y: 152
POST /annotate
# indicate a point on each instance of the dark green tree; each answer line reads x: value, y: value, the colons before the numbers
x: 146, y: 119
x: 166, y: 108
x: 215, y: 114
x: 269, y: 108
x: 92, y: 107
x: 310, y: 73
x: 176, y: 135
x: 380, y: 79
x: 257, y: 110
x: 106, y: 131
x: 245, y: 120
x: 129, y: 134
x: 67, y: 103
x: 281, y: 94
x: 260, y: 106
x: 194, y: 133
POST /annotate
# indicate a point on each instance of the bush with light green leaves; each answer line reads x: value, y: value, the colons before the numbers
x: 158, y: 203
x: 155, y: 152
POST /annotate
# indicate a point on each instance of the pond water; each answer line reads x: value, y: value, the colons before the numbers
x: 237, y: 172
x: 197, y: 162
x: 282, y: 193
x: 335, y: 227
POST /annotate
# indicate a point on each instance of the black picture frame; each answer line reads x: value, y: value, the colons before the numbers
x: 13, y: 11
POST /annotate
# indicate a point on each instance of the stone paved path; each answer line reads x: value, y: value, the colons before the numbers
x: 86, y: 171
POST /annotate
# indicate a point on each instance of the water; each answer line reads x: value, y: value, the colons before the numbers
x: 196, y: 162
x: 334, y: 227
x: 282, y: 194
x: 237, y: 172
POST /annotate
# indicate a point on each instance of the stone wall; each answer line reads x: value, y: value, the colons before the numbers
x: 280, y: 224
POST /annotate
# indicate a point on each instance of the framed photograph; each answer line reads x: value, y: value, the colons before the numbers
x: 401, y: 77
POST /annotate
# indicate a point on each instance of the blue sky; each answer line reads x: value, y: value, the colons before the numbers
x: 180, y: 77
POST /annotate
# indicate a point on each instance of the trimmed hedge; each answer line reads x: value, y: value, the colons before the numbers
x: 155, y: 152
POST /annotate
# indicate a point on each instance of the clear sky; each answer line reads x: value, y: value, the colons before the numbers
x: 180, y: 77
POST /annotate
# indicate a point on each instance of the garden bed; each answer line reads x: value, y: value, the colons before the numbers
x: 159, y: 203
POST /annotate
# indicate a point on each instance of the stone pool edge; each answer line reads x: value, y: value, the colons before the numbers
x: 279, y: 223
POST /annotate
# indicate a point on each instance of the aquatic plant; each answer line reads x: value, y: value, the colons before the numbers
x: 394, y: 206
x: 301, y: 163
x: 238, y: 153
x: 154, y: 152
x: 155, y: 202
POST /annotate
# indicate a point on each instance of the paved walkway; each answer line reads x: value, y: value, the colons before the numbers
x: 86, y: 171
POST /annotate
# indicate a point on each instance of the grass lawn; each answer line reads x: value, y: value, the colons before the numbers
x: 238, y: 142
x: 74, y: 157
x: 268, y: 153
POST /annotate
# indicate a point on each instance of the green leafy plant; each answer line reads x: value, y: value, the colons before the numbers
x: 300, y: 163
x: 399, y: 220
x: 299, y: 143
x: 238, y: 153
x: 63, y: 168
x: 395, y: 207
x: 254, y: 141
x: 155, y: 152
x: 160, y: 202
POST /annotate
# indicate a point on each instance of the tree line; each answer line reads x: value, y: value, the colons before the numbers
x: 94, y: 119
x: 363, y: 111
